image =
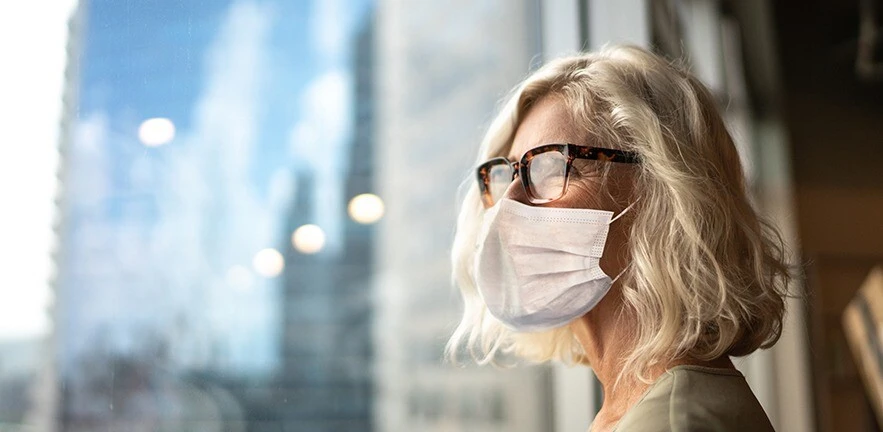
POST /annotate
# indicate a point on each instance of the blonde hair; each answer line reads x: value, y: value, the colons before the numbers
x: 707, y: 276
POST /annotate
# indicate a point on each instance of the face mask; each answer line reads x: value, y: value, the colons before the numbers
x: 537, y: 268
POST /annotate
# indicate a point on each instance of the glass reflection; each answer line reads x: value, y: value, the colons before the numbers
x: 236, y: 248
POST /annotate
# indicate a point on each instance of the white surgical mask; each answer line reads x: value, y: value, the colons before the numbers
x: 537, y: 268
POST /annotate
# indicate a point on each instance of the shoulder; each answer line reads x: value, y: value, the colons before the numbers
x: 693, y: 398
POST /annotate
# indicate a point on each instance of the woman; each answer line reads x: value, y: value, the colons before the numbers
x: 610, y: 226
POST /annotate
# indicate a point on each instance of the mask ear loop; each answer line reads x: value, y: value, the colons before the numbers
x: 613, y: 220
x: 622, y: 212
x: 620, y: 274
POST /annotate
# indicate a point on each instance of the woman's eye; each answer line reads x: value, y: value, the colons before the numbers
x: 549, y: 175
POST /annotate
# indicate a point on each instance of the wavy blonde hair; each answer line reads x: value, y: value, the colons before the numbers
x: 707, y: 278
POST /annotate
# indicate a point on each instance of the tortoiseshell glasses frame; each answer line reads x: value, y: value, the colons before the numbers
x: 522, y: 168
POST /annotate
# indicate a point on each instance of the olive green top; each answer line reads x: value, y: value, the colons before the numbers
x: 695, y: 398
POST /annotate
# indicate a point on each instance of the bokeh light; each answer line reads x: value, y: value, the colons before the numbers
x: 268, y: 263
x: 308, y: 239
x: 156, y: 132
x: 366, y: 208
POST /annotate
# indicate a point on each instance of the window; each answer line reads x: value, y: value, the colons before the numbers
x: 256, y: 204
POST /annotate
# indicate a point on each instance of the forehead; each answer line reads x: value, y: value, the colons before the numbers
x: 549, y: 121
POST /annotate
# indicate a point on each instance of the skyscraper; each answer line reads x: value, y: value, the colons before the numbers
x: 441, y: 69
x: 327, y: 372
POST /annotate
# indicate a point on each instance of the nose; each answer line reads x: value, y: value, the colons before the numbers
x: 516, y: 191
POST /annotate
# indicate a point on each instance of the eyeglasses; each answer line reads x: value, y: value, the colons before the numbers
x: 544, y: 171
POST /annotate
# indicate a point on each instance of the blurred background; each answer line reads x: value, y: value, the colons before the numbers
x: 236, y: 215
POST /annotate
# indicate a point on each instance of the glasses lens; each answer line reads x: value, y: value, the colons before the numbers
x: 548, y: 172
x: 499, y: 178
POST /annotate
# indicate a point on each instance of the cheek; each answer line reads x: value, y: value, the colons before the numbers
x: 616, y: 250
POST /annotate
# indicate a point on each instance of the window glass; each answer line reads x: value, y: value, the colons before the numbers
x: 256, y: 206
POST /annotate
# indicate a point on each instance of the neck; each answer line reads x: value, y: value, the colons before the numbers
x: 602, y: 333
